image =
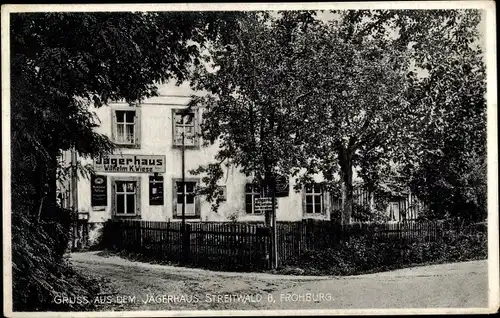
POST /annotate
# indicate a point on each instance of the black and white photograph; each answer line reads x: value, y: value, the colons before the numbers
x: 249, y: 159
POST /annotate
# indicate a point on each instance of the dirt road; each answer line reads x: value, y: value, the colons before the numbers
x: 142, y: 286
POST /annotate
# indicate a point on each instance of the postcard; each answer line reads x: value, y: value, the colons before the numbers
x: 231, y: 159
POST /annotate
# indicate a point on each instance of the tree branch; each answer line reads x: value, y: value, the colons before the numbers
x: 302, y: 96
x: 370, y: 26
x: 361, y: 132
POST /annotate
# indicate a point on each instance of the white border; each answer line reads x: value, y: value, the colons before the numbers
x: 493, y: 244
x: 241, y: 6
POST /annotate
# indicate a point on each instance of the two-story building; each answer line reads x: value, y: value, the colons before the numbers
x: 142, y: 179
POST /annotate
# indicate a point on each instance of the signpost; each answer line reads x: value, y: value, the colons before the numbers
x: 280, y: 187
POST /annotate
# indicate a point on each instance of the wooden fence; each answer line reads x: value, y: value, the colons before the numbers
x: 246, y: 245
x: 296, y: 237
x: 225, y: 245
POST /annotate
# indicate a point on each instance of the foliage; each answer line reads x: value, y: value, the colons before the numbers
x: 363, y: 213
x: 234, y: 216
x: 354, y: 98
x: 362, y: 255
x: 292, y: 93
x: 252, y: 100
x: 286, y: 92
x: 387, y: 52
x: 63, y: 62
x: 212, y: 172
x: 38, y: 273
x: 446, y: 162
x: 336, y: 215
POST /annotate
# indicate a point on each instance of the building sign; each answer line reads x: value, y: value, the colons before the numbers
x: 155, y: 190
x: 282, y: 187
x: 99, y: 190
x: 130, y: 163
x: 264, y: 204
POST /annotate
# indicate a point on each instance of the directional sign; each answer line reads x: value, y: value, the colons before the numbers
x: 263, y: 204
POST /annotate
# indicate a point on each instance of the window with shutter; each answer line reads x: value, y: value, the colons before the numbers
x: 126, y: 197
x: 126, y: 129
x: 185, y: 125
x: 190, y: 199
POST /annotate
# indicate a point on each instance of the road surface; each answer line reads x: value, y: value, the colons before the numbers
x: 142, y: 286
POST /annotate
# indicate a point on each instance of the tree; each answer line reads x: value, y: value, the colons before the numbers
x: 252, y: 101
x: 360, y: 67
x: 448, y: 168
x: 351, y: 104
x: 61, y: 63
x: 354, y: 102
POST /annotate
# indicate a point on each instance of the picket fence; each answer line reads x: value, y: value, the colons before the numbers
x: 246, y: 245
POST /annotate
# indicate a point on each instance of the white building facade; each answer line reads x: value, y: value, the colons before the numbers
x: 142, y: 179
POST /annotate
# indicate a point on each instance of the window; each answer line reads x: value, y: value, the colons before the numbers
x: 184, y: 125
x: 126, y: 198
x: 189, y: 199
x: 126, y: 127
x: 125, y: 124
x: 223, y: 194
x: 252, y: 192
x: 314, y: 198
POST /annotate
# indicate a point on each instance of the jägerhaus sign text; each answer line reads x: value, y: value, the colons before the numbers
x: 130, y: 163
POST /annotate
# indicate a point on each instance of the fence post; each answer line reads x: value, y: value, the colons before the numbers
x: 138, y: 236
x: 118, y: 240
x: 309, y: 233
x: 262, y: 237
x: 186, y: 241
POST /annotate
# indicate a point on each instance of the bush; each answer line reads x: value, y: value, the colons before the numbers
x: 39, y: 270
x: 363, y: 213
x: 362, y: 255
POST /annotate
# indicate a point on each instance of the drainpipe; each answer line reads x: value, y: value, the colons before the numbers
x: 185, y: 234
x: 183, y: 183
x: 74, y: 180
x: 74, y: 194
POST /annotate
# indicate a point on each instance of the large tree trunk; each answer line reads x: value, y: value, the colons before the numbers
x: 345, y: 157
x: 274, y: 230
